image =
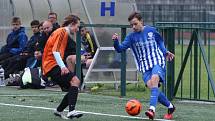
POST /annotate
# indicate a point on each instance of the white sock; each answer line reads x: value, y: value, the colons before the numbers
x: 170, y: 105
x: 152, y: 108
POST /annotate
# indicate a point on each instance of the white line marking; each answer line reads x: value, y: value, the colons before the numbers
x: 30, y: 95
x: 44, y: 95
x: 93, y: 113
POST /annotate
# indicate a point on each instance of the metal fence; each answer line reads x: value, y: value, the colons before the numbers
x: 192, y: 74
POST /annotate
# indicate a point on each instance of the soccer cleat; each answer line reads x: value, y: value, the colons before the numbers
x: 60, y: 114
x: 171, y: 110
x: 169, y: 114
x: 150, y: 113
x: 74, y: 114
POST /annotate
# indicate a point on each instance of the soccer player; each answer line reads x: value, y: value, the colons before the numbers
x: 53, y: 65
x: 149, y: 52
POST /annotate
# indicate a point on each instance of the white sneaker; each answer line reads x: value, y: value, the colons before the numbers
x: 60, y: 114
x: 75, y: 114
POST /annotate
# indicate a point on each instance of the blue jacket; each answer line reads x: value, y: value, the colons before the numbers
x: 32, y: 43
x: 16, y: 41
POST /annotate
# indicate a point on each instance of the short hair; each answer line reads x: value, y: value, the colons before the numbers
x: 52, y: 13
x: 41, y: 24
x: 16, y: 20
x: 35, y: 22
x: 135, y: 15
x: 70, y: 19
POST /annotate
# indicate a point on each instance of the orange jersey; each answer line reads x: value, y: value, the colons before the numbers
x: 57, y: 42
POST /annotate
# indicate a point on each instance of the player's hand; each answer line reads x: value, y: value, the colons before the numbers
x: 64, y: 71
x: 115, y: 37
x: 169, y: 56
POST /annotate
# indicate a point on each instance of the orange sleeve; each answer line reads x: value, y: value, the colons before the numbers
x: 60, y: 42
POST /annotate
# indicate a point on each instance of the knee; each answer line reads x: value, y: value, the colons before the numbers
x: 75, y: 81
x: 71, y: 59
x: 153, y: 82
x: 88, y: 62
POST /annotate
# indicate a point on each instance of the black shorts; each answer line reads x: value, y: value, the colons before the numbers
x: 62, y: 80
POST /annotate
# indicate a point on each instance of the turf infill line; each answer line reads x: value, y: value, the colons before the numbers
x: 92, y: 113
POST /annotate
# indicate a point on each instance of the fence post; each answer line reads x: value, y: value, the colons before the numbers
x: 78, y: 54
x: 195, y: 84
x: 123, y: 65
x: 169, y: 36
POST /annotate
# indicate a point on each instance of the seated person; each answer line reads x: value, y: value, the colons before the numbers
x: 52, y: 17
x: 36, y: 60
x: 90, y: 47
x: 19, y: 61
x: 16, y: 41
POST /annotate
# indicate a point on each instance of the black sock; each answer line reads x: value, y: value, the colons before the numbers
x: 72, y: 97
x: 63, y: 104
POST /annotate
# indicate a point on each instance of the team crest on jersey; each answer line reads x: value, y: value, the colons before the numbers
x: 150, y: 34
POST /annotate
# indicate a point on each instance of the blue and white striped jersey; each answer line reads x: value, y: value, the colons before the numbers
x: 147, y: 46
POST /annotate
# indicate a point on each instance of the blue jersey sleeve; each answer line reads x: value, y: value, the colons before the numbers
x: 160, y: 42
x: 124, y: 45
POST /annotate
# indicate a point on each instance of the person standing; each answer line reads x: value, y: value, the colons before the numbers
x: 149, y: 52
x: 53, y: 65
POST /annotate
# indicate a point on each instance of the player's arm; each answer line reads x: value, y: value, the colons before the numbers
x: 59, y: 59
x: 160, y: 43
x: 123, y: 46
x: 57, y: 49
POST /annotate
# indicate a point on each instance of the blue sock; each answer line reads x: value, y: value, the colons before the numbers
x: 154, y: 97
x: 163, y: 99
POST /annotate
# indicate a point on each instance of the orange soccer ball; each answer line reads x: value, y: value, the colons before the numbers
x: 133, y: 107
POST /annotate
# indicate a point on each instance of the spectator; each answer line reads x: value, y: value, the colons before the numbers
x: 52, y: 17
x: 16, y: 41
x: 19, y: 61
x: 90, y: 47
x: 41, y: 27
x: 47, y: 30
x: 88, y: 41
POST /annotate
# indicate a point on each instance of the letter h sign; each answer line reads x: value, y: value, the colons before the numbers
x: 110, y: 8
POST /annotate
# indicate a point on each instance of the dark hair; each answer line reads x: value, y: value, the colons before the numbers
x: 135, y: 15
x: 41, y: 24
x: 16, y: 20
x: 70, y: 19
x: 52, y: 13
x: 35, y: 22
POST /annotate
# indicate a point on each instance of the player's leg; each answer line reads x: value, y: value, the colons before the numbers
x: 147, y: 77
x: 161, y: 97
x: 73, y: 95
x: 55, y: 75
x: 164, y: 101
x: 70, y: 83
x: 153, y: 85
